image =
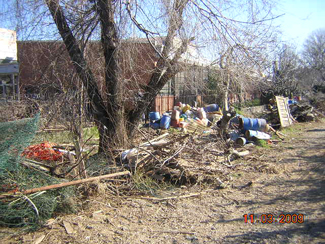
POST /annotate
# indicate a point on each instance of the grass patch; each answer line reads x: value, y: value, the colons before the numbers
x: 239, y: 111
x: 60, y: 137
x: 251, y: 103
x: 64, y: 137
x: 292, y: 130
x: 91, y: 132
x: 262, y: 143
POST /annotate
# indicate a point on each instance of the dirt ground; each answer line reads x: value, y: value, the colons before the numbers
x: 290, y: 182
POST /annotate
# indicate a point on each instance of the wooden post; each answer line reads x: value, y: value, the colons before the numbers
x: 18, y: 89
x: 13, y: 86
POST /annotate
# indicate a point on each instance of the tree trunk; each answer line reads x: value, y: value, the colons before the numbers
x: 109, y: 117
x: 114, y: 134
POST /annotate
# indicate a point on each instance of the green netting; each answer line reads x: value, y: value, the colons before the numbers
x: 32, y: 210
x: 15, y: 136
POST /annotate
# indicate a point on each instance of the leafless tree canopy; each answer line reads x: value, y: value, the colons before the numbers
x: 314, y: 54
x: 171, y: 27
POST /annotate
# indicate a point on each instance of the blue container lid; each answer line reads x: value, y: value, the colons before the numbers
x: 154, y: 116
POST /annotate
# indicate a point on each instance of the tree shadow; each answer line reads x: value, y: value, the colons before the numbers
x: 310, y: 230
x: 316, y: 130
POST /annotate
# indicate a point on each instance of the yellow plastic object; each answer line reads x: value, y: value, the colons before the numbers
x: 186, y: 107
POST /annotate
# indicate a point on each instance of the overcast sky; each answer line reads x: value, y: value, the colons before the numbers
x: 300, y: 19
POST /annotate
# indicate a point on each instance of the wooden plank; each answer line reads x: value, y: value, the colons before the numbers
x: 283, y: 110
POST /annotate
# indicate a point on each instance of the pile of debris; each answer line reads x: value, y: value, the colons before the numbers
x: 200, y: 154
x: 183, y: 158
x: 184, y: 116
x: 304, y: 112
x: 284, y: 111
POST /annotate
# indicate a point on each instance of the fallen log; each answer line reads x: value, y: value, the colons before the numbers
x: 70, y: 183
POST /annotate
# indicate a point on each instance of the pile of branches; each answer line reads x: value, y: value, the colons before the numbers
x: 184, y: 159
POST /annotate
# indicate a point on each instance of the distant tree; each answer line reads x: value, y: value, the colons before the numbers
x: 314, y: 56
x: 283, y: 79
x: 285, y: 71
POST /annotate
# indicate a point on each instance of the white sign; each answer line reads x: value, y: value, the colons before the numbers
x: 8, y: 44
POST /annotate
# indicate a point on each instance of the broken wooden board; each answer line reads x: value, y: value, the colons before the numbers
x: 68, y: 227
x: 283, y: 110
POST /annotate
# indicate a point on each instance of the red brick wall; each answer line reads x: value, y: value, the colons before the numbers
x: 47, y: 63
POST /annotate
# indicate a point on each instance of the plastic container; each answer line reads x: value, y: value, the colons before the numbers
x: 175, y: 114
x: 205, y: 121
x: 189, y: 114
x: 253, y: 124
x: 165, y: 122
x: 155, y: 125
x: 241, y: 141
x: 184, y: 116
x: 258, y: 134
x: 154, y: 116
x: 186, y: 108
x: 174, y: 122
x: 211, y: 108
x: 201, y: 113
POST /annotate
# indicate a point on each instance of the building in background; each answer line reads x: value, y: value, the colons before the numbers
x: 46, y: 70
x: 9, y: 67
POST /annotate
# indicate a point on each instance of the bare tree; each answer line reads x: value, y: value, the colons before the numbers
x: 245, y: 27
x: 314, y: 55
x: 285, y: 70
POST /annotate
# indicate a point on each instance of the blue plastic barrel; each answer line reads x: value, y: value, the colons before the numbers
x: 165, y: 122
x: 155, y: 125
x: 154, y: 116
x: 253, y: 124
x: 211, y: 108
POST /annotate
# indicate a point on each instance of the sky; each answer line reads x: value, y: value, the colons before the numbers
x: 301, y: 18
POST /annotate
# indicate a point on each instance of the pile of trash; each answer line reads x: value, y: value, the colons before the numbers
x: 200, y: 153
x: 161, y: 160
x: 42, y: 151
x: 245, y: 130
x: 303, y: 112
x: 283, y: 112
x: 184, y: 116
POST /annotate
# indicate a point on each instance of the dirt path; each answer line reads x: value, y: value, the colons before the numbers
x: 290, y: 180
